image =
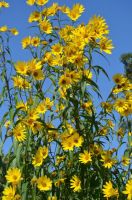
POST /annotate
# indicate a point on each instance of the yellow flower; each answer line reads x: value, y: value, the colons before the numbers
x: 87, y: 105
x: 41, y: 154
x: 97, y: 27
x: 120, y: 105
x: 50, y: 11
x: 41, y: 2
x: 87, y: 73
x: 77, y: 140
x: 95, y: 149
x: 13, y: 176
x: 7, y: 123
x: 38, y: 74
x: 67, y: 144
x: 109, y: 191
x: 21, y: 82
x: 37, y: 160
x: 60, y: 159
x: 33, y: 181
x: 66, y: 32
x: 4, y: 4
x: 65, y: 82
x: 44, y: 183
x: 75, y: 184
x: 34, y: 17
x: 14, y: 31
x: 34, y: 69
x: 59, y: 182
x: 19, y: 132
x: 36, y: 126
x: 119, y: 79
x: 120, y: 132
x: 35, y: 41
x: 107, y: 159
x: 75, y: 12
x: 26, y: 42
x: 85, y: 157
x: 57, y: 49
x: 107, y: 106
x: 21, y: 105
x: 9, y: 193
x: 21, y: 67
x: 43, y: 151
x: 105, y: 45
x: 30, y: 2
x: 45, y: 26
x: 45, y: 105
x: 3, y: 28
x: 34, y: 65
x: 128, y: 190
x: 125, y: 161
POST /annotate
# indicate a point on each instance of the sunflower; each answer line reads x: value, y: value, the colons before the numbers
x: 125, y: 161
x: 118, y: 79
x: 44, y: 183
x: 13, y: 176
x: 109, y: 191
x: 77, y: 140
x: 128, y: 190
x: 45, y: 26
x: 120, y: 105
x: 105, y: 45
x: 21, y: 67
x: 85, y: 157
x: 107, y: 159
x: 19, y: 132
x: 26, y: 42
x: 8, y: 193
x: 75, y: 12
x: 75, y: 184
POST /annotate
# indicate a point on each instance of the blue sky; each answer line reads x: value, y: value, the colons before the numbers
x: 118, y: 16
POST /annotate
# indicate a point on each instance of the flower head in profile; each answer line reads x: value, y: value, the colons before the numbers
x: 41, y: 2
x: 106, y: 45
x: 125, y: 161
x: 30, y: 2
x: 4, y: 4
x: 109, y: 191
x: 26, y: 42
x: 13, y: 176
x: 3, y: 28
x: 75, y: 184
x: 14, y: 31
x: 97, y: 27
x: 75, y: 12
x: 128, y: 190
x: 44, y: 183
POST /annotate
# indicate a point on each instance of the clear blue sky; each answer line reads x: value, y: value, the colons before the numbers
x: 118, y: 15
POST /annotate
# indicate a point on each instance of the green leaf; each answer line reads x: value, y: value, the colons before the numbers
x: 99, y: 68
